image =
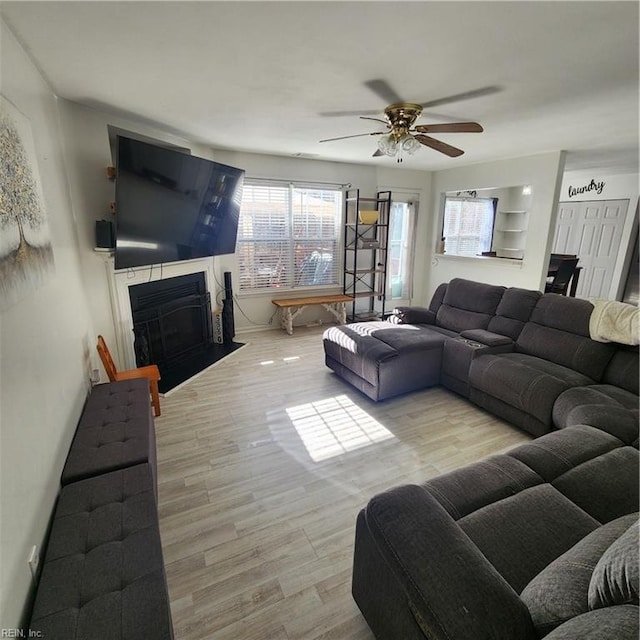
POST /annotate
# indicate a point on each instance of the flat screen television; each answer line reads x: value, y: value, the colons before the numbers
x: 171, y: 206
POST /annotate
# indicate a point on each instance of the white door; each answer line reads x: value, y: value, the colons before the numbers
x: 565, y: 225
x: 592, y: 230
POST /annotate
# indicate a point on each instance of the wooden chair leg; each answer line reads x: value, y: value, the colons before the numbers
x: 155, y: 397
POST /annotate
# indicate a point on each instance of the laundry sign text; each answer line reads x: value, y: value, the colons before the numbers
x: 592, y: 186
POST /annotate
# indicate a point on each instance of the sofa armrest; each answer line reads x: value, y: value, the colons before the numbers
x: 486, y: 337
x: 452, y: 590
x: 414, y: 315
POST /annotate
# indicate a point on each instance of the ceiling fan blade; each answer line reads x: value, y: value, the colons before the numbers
x: 450, y: 127
x: 377, y: 153
x: 357, y: 135
x: 467, y: 95
x: 376, y: 119
x: 333, y: 114
x: 384, y: 90
x: 442, y: 147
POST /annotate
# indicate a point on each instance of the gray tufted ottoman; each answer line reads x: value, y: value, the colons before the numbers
x: 115, y: 431
x: 103, y: 574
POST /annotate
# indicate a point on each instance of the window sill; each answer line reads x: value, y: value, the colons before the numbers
x: 283, y: 292
x: 512, y: 263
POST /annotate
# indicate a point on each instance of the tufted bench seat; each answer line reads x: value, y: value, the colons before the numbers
x: 102, y: 572
x: 115, y: 431
x: 103, y: 575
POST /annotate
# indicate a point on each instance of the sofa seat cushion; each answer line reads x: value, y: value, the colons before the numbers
x: 612, y: 623
x: 356, y: 350
x: 103, y: 573
x: 604, y: 406
x: 526, y: 382
x: 606, y: 487
x: 561, y: 590
x: 520, y: 535
x: 115, y: 431
x: 383, y: 359
x: 379, y: 341
x: 408, y: 339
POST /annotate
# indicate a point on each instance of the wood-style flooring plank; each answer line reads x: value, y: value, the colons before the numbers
x: 264, y: 462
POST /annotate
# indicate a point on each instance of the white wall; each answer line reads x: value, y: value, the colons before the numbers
x: 543, y: 172
x: 88, y: 154
x: 45, y: 340
x: 581, y: 186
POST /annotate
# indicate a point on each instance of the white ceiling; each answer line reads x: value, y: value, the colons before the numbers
x: 260, y: 76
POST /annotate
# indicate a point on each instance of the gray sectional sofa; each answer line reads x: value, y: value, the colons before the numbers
x: 523, y: 355
x: 539, y: 542
x: 103, y: 573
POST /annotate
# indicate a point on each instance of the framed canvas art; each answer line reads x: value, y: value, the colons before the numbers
x: 26, y: 255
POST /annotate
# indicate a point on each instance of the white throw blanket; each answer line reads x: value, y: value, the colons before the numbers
x: 613, y: 321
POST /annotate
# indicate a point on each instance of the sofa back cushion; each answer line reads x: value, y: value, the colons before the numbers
x: 562, y: 590
x: 514, y: 311
x: 468, y: 305
x: 616, y: 577
x: 622, y: 370
x: 559, y: 332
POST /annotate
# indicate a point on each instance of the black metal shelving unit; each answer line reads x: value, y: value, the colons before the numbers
x: 365, y: 254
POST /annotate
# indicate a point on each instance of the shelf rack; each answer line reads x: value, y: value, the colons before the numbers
x: 365, y: 255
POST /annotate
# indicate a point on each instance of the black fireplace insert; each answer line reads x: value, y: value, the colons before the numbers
x: 173, y: 328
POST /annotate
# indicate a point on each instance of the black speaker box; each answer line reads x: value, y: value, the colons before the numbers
x: 228, y: 322
x: 105, y: 237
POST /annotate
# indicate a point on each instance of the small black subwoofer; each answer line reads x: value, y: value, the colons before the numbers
x: 105, y: 238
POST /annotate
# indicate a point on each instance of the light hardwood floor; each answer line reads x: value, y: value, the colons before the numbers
x: 258, y: 499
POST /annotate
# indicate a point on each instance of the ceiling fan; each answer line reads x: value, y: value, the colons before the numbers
x: 401, y: 135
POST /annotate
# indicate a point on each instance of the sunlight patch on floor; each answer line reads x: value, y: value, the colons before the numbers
x: 285, y: 360
x: 334, y: 426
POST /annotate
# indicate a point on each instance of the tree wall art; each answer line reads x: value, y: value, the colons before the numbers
x: 26, y: 255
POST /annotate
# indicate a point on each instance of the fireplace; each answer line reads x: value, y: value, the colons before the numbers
x: 173, y: 328
x: 171, y: 319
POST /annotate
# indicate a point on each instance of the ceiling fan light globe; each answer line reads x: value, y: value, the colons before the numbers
x: 388, y: 146
x: 409, y: 144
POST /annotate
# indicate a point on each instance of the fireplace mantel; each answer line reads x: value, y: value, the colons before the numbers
x: 119, y: 283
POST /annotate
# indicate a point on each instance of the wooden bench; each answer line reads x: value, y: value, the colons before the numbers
x: 290, y: 307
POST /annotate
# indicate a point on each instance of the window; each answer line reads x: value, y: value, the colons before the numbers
x: 400, y: 255
x: 468, y: 225
x: 288, y: 236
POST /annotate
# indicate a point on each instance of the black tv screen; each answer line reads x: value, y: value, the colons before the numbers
x: 171, y: 206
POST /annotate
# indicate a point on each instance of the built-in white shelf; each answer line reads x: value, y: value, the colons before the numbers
x: 510, y: 233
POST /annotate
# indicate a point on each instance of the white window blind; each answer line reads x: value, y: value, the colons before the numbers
x: 468, y: 225
x: 288, y: 236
